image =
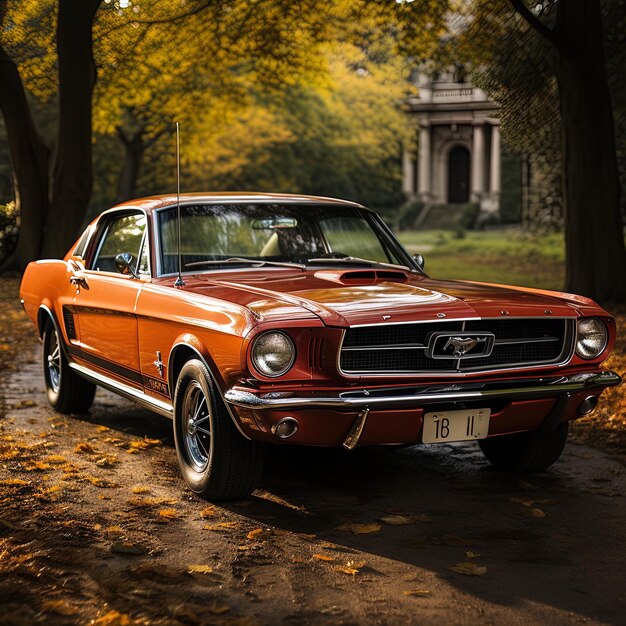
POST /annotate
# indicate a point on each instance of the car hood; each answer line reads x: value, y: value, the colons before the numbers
x: 368, y: 297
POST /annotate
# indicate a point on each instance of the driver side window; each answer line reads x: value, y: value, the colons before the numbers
x: 122, y: 234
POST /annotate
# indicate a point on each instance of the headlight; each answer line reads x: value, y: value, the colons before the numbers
x: 591, y: 338
x: 273, y: 353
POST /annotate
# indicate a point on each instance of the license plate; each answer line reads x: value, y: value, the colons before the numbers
x: 462, y: 425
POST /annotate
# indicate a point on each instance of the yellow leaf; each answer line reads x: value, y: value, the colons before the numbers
x: 125, y: 547
x: 85, y: 448
x: 323, y: 557
x: 114, y: 618
x: 220, y: 526
x: 351, y: 571
x: 209, y: 511
x: 59, y: 606
x: 139, y: 489
x: 200, y: 569
x: 56, y: 459
x: 168, y: 513
x: 115, y: 530
x: 469, y: 568
x: 14, y: 482
x: 416, y: 592
x: 396, y: 520
x: 360, y: 529
x: 255, y: 534
x: 472, y: 555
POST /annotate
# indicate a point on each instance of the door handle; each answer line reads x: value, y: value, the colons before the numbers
x: 79, y: 281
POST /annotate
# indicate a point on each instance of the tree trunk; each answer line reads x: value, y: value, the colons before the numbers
x: 72, y: 174
x: 30, y: 158
x: 596, y: 258
x: 134, y: 149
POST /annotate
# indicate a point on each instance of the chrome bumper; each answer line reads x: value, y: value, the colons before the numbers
x: 398, y: 397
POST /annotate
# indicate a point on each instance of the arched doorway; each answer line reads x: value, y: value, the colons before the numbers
x: 458, y: 175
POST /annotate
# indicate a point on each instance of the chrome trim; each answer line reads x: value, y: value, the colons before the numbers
x: 291, y: 420
x: 570, y: 334
x: 352, y: 440
x: 388, y: 398
x: 159, y: 406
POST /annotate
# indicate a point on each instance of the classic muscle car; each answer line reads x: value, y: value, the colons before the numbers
x: 253, y: 318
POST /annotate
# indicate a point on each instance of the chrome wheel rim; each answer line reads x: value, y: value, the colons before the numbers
x: 196, y: 426
x: 54, y: 362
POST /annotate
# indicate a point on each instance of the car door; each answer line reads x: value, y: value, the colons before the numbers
x: 106, y: 298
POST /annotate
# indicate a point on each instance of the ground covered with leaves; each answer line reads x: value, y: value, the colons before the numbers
x: 96, y: 526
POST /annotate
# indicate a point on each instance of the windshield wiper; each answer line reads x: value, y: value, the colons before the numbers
x: 354, y: 260
x: 239, y: 261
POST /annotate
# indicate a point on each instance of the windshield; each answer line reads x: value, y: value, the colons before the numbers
x: 271, y: 233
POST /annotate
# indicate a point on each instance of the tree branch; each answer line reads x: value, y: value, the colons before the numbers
x: 534, y: 22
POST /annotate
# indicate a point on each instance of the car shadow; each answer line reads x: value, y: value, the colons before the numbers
x: 554, y: 538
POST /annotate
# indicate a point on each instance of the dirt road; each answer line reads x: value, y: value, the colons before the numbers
x: 96, y: 524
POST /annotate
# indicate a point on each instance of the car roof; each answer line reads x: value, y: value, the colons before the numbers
x: 152, y: 203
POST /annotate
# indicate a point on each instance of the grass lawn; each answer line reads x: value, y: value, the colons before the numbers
x: 509, y: 256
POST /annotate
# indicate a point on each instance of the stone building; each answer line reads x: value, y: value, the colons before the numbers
x: 458, y: 155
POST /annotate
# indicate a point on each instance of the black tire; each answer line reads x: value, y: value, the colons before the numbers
x: 216, y: 460
x: 67, y: 391
x: 532, y: 451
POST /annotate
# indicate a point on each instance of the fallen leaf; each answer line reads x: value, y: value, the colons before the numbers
x: 114, y: 618
x: 360, y: 529
x: 115, y: 530
x: 125, y: 547
x: 200, y: 569
x: 14, y: 482
x: 102, y: 429
x: 323, y: 557
x: 56, y: 459
x: 532, y: 512
x: 209, y: 511
x: 469, y: 568
x: 220, y: 526
x: 7, y: 524
x: 217, y: 608
x: 59, y: 606
x: 417, y: 592
x: 140, y: 489
x: 396, y: 520
x: 168, y: 513
x: 472, y: 555
x: 85, y: 448
x: 351, y: 571
x: 255, y: 534
x: 450, y: 540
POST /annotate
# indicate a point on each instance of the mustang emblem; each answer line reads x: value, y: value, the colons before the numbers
x: 463, y: 345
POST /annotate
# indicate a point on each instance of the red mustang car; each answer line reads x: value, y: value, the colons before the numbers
x: 257, y: 318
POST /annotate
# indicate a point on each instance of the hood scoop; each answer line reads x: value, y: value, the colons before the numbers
x: 362, y: 277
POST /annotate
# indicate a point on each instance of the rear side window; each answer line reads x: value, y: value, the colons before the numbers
x: 121, y: 234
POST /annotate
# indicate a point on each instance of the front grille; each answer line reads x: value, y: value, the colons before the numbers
x: 403, y: 348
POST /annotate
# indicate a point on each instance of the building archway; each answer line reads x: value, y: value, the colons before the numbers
x: 458, y: 175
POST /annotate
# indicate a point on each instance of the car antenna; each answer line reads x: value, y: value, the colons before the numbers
x: 179, y: 281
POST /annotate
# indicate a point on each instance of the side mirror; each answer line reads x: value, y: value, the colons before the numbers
x: 419, y: 259
x: 124, y: 264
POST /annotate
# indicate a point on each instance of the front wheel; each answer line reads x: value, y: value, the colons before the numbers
x: 67, y: 391
x: 532, y: 451
x: 216, y: 460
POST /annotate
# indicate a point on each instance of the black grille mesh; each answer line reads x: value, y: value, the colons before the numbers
x: 68, y: 320
x: 379, y: 359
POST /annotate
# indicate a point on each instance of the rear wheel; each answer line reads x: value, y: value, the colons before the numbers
x: 532, y: 451
x: 67, y: 391
x: 216, y: 460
